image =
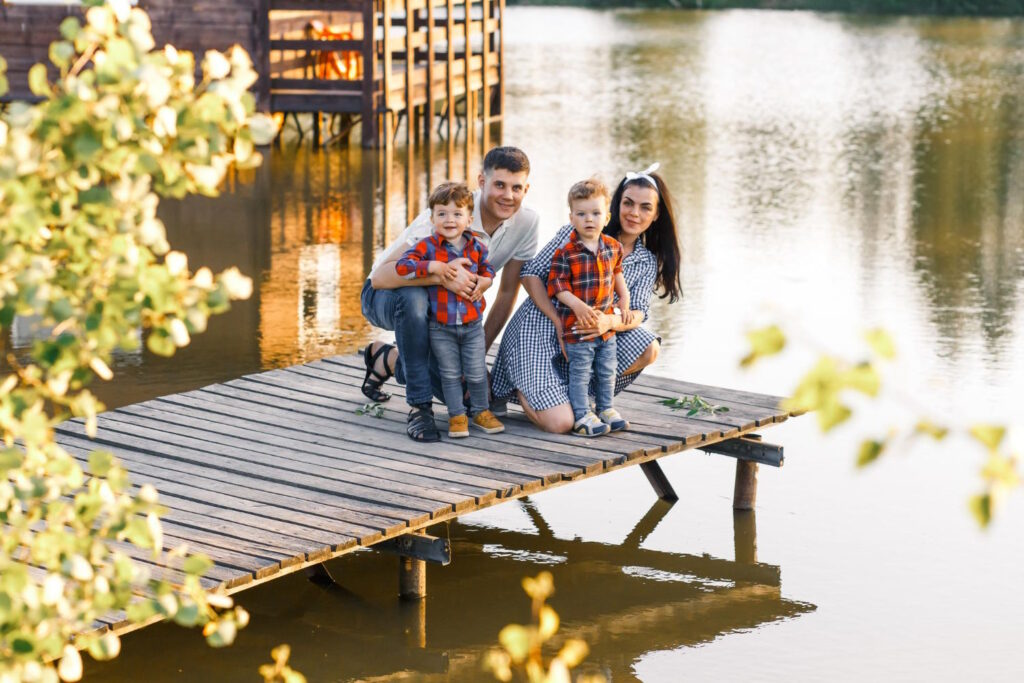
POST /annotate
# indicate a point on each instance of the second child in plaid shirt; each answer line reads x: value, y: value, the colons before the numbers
x: 586, y: 274
x: 456, y: 328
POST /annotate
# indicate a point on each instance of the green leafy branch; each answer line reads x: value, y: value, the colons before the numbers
x: 521, y: 657
x: 693, y: 405
x: 371, y: 409
x: 83, y: 252
x: 824, y: 387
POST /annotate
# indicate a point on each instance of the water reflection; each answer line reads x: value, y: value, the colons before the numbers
x: 623, y: 599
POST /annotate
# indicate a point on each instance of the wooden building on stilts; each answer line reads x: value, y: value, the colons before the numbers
x: 435, y: 63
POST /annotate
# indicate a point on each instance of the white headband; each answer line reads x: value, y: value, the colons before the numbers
x: 645, y: 175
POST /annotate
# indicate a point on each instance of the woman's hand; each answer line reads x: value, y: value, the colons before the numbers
x: 603, y: 323
x: 560, y: 332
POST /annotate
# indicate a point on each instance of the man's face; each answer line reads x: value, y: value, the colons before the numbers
x: 502, y: 192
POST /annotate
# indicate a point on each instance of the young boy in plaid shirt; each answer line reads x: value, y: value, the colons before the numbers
x: 585, y: 275
x: 456, y: 328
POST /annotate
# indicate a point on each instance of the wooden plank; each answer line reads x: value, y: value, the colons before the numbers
x: 319, y: 44
x: 510, y: 442
x: 614, y: 447
x: 680, y: 387
x: 278, y: 508
x: 549, y: 446
x: 143, y: 462
x: 185, y: 421
x: 219, y: 407
x: 172, y: 446
x: 384, y: 431
x: 357, y: 457
x: 367, y: 488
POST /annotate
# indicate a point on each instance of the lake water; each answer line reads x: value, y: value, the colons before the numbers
x: 830, y: 172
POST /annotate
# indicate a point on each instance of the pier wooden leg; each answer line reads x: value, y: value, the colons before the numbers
x: 659, y: 482
x: 744, y: 536
x: 412, y: 578
x: 744, y: 495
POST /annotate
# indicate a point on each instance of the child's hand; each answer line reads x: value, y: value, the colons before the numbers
x: 585, y: 315
x: 627, y: 316
x: 482, y: 285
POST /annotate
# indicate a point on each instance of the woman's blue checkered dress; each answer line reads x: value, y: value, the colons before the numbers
x: 530, y: 359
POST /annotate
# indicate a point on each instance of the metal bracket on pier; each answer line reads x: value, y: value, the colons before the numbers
x: 419, y: 547
x: 748, y: 447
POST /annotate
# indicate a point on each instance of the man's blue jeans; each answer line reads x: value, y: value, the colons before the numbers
x: 597, y: 355
x: 459, y: 352
x: 406, y: 310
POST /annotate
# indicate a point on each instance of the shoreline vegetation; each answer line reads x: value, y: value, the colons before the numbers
x: 993, y: 8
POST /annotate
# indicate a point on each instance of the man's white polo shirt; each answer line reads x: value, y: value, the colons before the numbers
x: 515, y: 238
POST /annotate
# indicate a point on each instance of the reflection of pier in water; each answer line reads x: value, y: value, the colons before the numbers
x: 623, y: 599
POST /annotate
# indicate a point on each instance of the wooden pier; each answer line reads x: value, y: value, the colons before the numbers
x: 276, y: 472
x: 435, y: 63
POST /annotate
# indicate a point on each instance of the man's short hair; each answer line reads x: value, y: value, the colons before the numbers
x: 452, y: 193
x: 510, y: 159
x: 585, y: 189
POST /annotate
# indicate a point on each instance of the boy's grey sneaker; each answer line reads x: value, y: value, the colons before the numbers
x: 615, y: 422
x: 499, y: 407
x: 590, y: 425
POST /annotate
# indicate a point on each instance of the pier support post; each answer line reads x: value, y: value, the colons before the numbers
x: 658, y: 481
x: 744, y: 495
x: 412, y: 578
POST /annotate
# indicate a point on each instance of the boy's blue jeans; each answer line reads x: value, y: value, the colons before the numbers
x: 597, y: 355
x: 460, y: 352
x: 406, y: 310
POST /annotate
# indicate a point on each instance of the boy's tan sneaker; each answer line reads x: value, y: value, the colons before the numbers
x: 486, y: 421
x: 458, y: 426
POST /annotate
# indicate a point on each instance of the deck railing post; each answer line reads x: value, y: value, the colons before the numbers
x: 371, y: 133
x: 412, y: 578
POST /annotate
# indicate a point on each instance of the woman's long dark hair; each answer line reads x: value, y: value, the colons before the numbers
x: 660, y: 239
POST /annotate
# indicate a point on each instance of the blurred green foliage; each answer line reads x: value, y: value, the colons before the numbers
x: 83, y: 254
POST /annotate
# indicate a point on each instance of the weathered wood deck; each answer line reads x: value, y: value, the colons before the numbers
x: 274, y: 472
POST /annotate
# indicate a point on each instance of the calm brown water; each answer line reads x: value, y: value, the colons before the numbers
x: 831, y: 172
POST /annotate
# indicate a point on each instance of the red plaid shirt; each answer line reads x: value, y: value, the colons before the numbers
x: 447, y: 307
x: 588, y: 275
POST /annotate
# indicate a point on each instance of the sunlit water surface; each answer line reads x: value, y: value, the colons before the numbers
x: 831, y: 173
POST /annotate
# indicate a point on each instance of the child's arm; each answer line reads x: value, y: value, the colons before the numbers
x: 484, y: 270
x: 560, y: 287
x: 416, y: 262
x: 584, y: 313
x: 623, y: 292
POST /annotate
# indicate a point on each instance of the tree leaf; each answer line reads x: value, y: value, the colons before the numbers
x: 37, y: 81
x: 197, y: 564
x: 766, y: 341
x: 990, y: 436
x: 869, y: 451
x: 981, y: 508
x: 881, y: 343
